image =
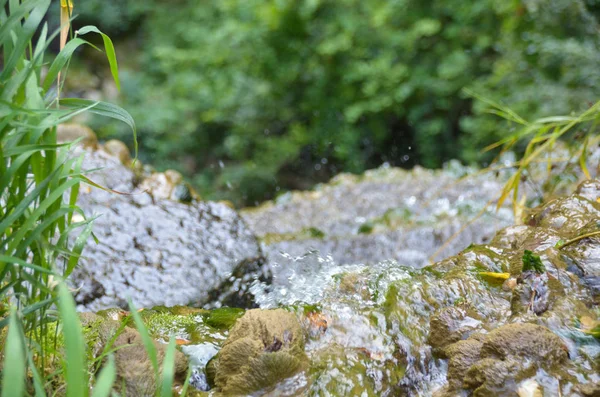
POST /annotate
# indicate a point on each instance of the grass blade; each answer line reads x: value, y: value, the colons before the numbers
x: 110, y: 51
x: 106, y: 379
x: 107, y: 110
x: 148, y: 342
x: 168, y: 370
x: 76, y: 369
x: 13, y: 377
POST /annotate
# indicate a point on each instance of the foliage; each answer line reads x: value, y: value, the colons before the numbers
x: 286, y: 91
x: 539, y: 138
x: 532, y: 263
x: 39, y: 184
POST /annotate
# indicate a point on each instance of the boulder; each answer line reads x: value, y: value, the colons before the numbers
x: 384, y: 214
x: 264, y: 347
x: 154, y: 250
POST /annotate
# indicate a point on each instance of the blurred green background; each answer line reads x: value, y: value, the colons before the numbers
x: 249, y: 98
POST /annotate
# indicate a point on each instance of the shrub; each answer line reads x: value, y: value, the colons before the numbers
x: 284, y: 92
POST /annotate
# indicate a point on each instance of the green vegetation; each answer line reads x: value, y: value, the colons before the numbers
x: 286, y: 93
x: 43, y: 349
x: 532, y: 262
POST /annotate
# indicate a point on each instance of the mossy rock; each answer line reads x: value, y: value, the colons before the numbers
x: 493, y: 364
x: 264, y: 347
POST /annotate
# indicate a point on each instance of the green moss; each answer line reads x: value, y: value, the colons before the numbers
x: 304, y: 234
x: 223, y: 318
x: 366, y: 228
x: 532, y: 262
x: 263, y: 348
x: 316, y: 233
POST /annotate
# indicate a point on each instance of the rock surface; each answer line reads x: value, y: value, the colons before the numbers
x: 264, y: 347
x: 368, y: 315
x: 135, y: 373
x: 154, y: 250
x: 384, y: 214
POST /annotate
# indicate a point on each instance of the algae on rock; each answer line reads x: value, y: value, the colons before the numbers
x: 263, y: 348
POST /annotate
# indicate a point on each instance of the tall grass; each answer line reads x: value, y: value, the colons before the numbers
x: 540, y: 137
x: 39, y: 185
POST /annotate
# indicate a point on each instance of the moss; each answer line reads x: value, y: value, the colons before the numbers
x: 162, y: 324
x: 263, y: 348
x: 304, y: 234
x: 223, y: 318
x: 313, y: 232
x: 366, y: 228
x: 532, y: 262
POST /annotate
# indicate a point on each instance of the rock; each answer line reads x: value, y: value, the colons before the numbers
x: 134, y: 369
x: 488, y: 376
x: 531, y: 293
x: 119, y: 150
x: 235, y: 291
x: 525, y: 341
x: 589, y: 189
x: 589, y: 389
x: 530, y: 388
x: 490, y: 364
x: 450, y: 325
x: 463, y: 355
x: 169, y: 185
x: 567, y: 215
x: 70, y: 131
x: 263, y: 348
x: 384, y: 214
x: 157, y: 251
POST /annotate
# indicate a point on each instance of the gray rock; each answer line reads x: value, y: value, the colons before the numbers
x: 384, y: 214
x: 152, y: 250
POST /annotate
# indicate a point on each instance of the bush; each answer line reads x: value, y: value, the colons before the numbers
x: 286, y: 91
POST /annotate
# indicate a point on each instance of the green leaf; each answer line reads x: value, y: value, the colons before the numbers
x: 105, y: 109
x: 78, y: 248
x: 61, y: 60
x: 168, y: 370
x: 110, y: 51
x: 76, y: 368
x: 532, y: 262
x: 148, y: 342
x: 106, y: 379
x: 15, y: 364
x: 24, y: 36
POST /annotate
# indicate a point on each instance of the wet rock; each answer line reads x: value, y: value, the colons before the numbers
x: 263, y: 348
x: 488, y: 376
x: 236, y: 290
x: 70, y: 131
x: 530, y: 388
x: 567, y: 215
x: 589, y: 389
x: 383, y: 214
x: 532, y: 293
x: 156, y: 251
x: 589, y: 189
x: 450, y: 325
x: 527, y: 341
x: 491, y: 364
x: 462, y: 355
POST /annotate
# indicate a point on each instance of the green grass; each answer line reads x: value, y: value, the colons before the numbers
x: 540, y: 136
x: 40, y: 331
